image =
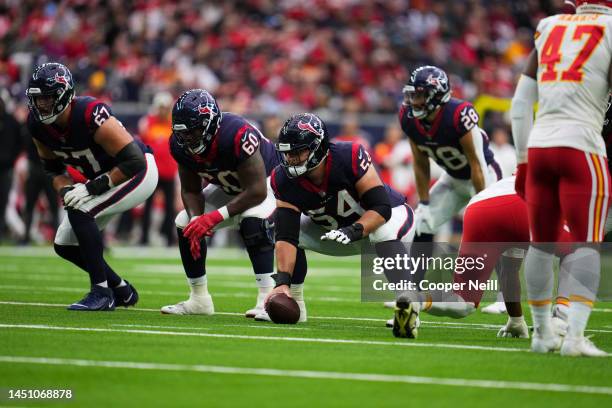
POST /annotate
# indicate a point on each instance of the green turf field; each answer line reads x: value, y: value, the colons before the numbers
x: 343, y: 356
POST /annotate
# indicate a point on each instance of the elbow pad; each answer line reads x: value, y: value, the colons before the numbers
x: 287, y: 225
x: 377, y: 199
x: 131, y: 160
x: 53, y: 167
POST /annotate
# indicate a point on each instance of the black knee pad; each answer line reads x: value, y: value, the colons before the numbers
x: 257, y: 234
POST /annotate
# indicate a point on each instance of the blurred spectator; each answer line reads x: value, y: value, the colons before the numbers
x: 351, y: 132
x: 504, y: 152
x: 12, y: 145
x: 264, y: 55
x: 394, y: 157
x: 154, y: 130
x: 271, y: 127
x: 38, y: 182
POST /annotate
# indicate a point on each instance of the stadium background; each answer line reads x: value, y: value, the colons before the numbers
x: 343, y: 59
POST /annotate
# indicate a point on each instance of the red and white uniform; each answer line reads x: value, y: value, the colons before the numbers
x: 567, y: 176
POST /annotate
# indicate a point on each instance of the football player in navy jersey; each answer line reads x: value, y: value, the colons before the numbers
x: 229, y: 153
x: 329, y: 196
x: 82, y: 132
x: 445, y: 130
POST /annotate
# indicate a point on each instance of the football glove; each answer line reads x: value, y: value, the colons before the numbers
x: 77, y: 196
x: 514, y: 329
x: 345, y: 235
x: 424, y: 219
x: 200, y: 227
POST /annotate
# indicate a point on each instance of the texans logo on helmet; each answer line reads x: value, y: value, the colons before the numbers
x: 310, y: 128
x: 61, y: 79
x: 204, y: 109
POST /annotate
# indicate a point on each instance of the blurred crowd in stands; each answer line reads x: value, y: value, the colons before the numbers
x: 339, y: 58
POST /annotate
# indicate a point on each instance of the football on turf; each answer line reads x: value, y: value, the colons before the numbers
x: 283, y: 309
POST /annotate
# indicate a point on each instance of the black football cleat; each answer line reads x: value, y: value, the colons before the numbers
x: 405, y: 321
x: 99, y: 299
x: 125, y: 296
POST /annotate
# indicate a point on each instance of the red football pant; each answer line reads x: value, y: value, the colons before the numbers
x: 566, y: 184
x: 487, y: 225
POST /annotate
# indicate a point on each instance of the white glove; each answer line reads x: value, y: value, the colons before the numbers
x: 345, y: 235
x: 76, y: 197
x: 514, y: 329
x: 424, y: 220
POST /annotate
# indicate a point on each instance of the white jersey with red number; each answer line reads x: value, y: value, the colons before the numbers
x: 574, y: 55
x: 503, y: 187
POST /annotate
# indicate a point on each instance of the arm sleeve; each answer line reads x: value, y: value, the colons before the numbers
x: 521, y: 114
x: 360, y: 160
x: 246, y: 143
x: 97, y: 114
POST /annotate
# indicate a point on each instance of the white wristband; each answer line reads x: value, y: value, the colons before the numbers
x: 223, y: 211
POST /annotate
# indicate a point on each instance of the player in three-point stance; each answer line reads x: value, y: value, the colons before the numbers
x: 83, y: 133
x: 329, y: 197
x: 229, y: 153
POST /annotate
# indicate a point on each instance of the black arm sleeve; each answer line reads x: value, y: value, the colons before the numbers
x: 377, y: 199
x: 131, y: 160
x: 53, y: 167
x: 287, y: 225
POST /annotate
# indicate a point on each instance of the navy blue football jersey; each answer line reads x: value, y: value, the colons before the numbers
x: 335, y: 203
x: 441, y: 140
x: 236, y: 141
x: 75, y: 145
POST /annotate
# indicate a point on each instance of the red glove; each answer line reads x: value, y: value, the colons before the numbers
x: 199, y: 228
x: 519, y: 183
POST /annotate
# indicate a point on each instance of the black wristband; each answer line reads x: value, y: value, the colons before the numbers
x: 354, y: 232
x: 64, y: 190
x: 99, y: 185
x: 282, y: 278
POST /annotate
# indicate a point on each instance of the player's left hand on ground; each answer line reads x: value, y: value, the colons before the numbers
x: 345, y: 235
x: 77, y: 196
x: 199, y: 228
x: 514, y: 329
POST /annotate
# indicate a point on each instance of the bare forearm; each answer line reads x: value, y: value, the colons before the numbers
x: 285, y: 256
x: 60, y: 182
x: 245, y: 200
x: 477, y: 177
x: 193, y: 202
x: 422, y: 177
x: 371, y: 221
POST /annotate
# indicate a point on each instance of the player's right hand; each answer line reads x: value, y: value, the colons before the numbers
x: 521, y: 177
x: 279, y: 289
x: 424, y: 219
x: 77, y: 196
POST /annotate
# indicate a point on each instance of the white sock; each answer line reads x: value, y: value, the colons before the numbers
x: 264, y: 280
x: 103, y: 284
x: 199, y: 286
x: 297, y: 291
x: 541, y: 319
x: 577, y: 319
x: 122, y: 284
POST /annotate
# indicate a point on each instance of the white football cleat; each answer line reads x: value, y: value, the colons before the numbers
x: 259, y: 307
x: 262, y: 317
x: 559, y: 326
x: 580, y: 347
x: 545, y: 344
x: 517, y: 330
x: 495, y: 308
x: 389, y: 305
x: 200, y: 305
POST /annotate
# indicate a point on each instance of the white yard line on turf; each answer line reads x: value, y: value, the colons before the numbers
x: 310, y: 374
x: 259, y: 326
x: 362, y: 319
x: 265, y: 338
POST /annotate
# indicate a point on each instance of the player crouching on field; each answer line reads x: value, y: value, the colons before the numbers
x: 83, y: 133
x: 328, y: 197
x: 229, y: 153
